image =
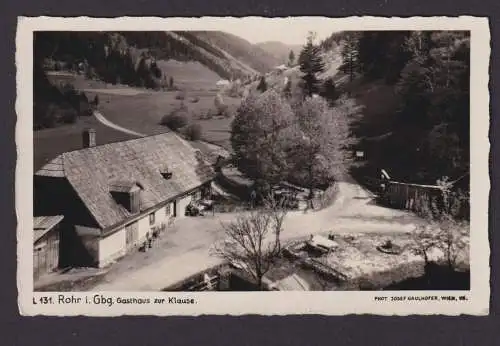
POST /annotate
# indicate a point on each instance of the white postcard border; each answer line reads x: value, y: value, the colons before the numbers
x: 267, y: 303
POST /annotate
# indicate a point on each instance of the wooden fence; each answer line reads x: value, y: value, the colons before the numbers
x: 412, y: 197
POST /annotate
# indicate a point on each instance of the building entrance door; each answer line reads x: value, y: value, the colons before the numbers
x: 132, y: 231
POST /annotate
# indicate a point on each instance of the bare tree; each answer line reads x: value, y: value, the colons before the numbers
x: 424, y: 240
x: 251, y: 243
x: 444, y: 230
x: 453, y: 232
x: 277, y: 207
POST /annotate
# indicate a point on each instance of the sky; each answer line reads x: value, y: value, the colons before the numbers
x: 254, y: 29
x: 276, y: 30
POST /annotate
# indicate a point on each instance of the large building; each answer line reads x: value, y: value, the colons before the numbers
x: 113, y: 196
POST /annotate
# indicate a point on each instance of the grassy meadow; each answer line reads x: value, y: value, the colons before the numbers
x: 140, y: 110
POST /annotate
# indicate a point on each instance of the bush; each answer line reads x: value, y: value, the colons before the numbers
x: 195, y: 99
x: 55, y: 115
x: 219, y: 103
x: 221, y: 108
x: 174, y: 120
x: 181, y: 95
x: 193, y: 132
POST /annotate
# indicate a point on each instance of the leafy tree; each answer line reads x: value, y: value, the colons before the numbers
x: 311, y: 64
x: 291, y: 58
x: 322, y: 149
x: 260, y: 136
x: 262, y: 84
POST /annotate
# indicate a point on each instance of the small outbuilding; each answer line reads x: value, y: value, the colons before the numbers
x: 46, y: 238
x: 291, y: 283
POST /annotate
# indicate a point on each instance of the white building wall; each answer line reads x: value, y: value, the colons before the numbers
x: 143, y: 228
x: 182, y: 203
x: 112, y: 247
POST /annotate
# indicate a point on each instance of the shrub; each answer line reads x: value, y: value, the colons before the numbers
x: 235, y: 90
x: 175, y: 120
x: 220, y: 106
x: 181, y: 95
x: 193, y: 132
x: 195, y: 99
x: 58, y: 114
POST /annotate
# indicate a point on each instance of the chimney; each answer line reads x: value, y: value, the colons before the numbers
x: 89, y: 138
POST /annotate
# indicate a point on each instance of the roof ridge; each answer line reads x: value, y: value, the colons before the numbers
x: 138, y: 160
x: 127, y: 140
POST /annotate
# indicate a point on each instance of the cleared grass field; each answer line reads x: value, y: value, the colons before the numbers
x: 189, y: 75
x: 143, y: 112
x: 139, y: 110
x: 49, y: 143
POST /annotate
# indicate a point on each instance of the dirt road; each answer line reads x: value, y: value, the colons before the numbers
x: 108, y: 123
x: 186, y: 251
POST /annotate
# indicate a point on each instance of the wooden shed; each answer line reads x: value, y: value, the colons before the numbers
x: 46, y: 239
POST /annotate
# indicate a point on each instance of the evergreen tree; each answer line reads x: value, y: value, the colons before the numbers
x: 141, y: 72
x: 262, y: 84
x: 291, y: 58
x: 287, y: 90
x: 434, y: 92
x: 155, y: 70
x: 350, y: 58
x: 329, y: 91
x: 382, y: 54
x: 311, y: 64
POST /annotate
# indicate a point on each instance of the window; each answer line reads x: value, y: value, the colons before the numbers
x: 152, y: 218
x: 167, y: 209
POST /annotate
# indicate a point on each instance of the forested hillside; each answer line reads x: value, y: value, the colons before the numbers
x: 111, y: 55
x: 245, y: 52
x: 131, y: 58
x: 415, y: 89
x: 279, y: 50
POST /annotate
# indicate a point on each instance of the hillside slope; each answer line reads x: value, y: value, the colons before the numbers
x: 109, y: 53
x: 242, y: 50
x: 415, y: 123
x: 279, y: 50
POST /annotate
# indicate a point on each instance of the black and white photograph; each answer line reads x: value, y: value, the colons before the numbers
x: 254, y: 156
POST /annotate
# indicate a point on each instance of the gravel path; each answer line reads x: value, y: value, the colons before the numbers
x: 108, y: 123
x: 187, y: 250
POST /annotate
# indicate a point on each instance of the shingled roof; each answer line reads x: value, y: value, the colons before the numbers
x: 94, y: 171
